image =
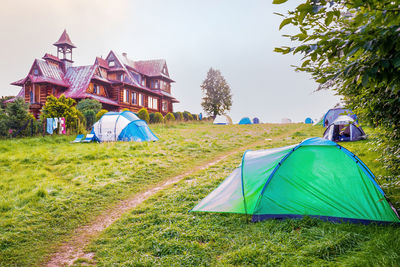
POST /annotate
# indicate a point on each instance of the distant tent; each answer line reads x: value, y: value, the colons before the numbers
x: 222, y: 120
x: 256, y: 120
x: 316, y: 178
x: 344, y: 128
x: 122, y: 126
x: 245, y: 120
x: 286, y: 120
x: 308, y: 121
x: 319, y: 122
x: 334, y: 113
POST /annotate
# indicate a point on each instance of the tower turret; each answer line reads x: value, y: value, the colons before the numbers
x: 64, y: 48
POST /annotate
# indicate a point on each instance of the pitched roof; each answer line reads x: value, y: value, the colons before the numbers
x: 79, y: 79
x: 64, y: 40
x: 49, y: 70
x: 50, y: 56
x: 103, y: 99
x: 150, y: 67
x: 48, y: 73
x: 102, y: 62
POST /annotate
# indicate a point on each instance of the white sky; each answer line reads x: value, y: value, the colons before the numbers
x: 235, y: 36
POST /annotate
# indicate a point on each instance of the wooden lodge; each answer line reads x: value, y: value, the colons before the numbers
x: 115, y: 81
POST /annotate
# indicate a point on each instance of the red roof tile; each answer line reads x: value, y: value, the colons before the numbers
x: 102, y: 62
x: 79, y: 79
x: 103, y: 99
x: 150, y: 67
x: 64, y: 40
x: 50, y: 56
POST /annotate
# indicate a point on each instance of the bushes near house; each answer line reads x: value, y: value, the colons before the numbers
x: 151, y: 116
x: 169, y: 117
x: 89, y: 109
x: 101, y: 113
x: 63, y: 107
x: 178, y: 116
x: 187, y: 116
x: 143, y: 114
x: 158, y: 117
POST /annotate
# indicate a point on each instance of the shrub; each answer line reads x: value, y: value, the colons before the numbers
x: 2, y: 101
x: 187, y: 116
x: 101, y: 113
x: 143, y: 114
x: 89, y: 108
x: 125, y: 109
x: 90, y: 117
x: 178, y: 116
x: 88, y: 104
x: 62, y: 107
x: 158, y: 117
x: 3, y: 123
x: 195, y: 117
x: 17, y: 115
x: 151, y: 116
x: 169, y: 117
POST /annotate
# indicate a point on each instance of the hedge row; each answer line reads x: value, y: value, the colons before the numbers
x: 157, y: 117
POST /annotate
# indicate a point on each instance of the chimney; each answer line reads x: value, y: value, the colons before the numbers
x: 125, y: 54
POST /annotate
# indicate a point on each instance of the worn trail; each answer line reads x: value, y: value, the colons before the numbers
x: 74, y: 248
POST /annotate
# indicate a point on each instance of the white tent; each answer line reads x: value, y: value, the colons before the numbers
x: 344, y: 128
x: 124, y: 126
x: 286, y: 120
x: 222, y: 120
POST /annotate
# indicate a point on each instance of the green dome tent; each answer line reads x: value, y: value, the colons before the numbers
x: 315, y: 178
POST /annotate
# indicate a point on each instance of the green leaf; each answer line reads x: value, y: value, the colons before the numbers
x: 365, y: 80
x: 305, y: 63
x: 277, y: 2
x: 329, y: 18
x: 285, y: 22
x: 396, y: 62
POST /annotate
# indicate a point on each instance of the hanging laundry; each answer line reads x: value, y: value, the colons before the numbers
x: 50, y: 125
x: 62, y: 129
x: 55, y: 123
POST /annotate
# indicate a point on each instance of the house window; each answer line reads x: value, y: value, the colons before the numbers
x: 111, y: 63
x: 54, y: 91
x: 121, y: 77
x: 126, y: 96
x: 35, y: 72
x: 155, y: 103
x: 143, y: 81
x: 95, y: 89
x: 149, y: 102
x: 156, y: 84
x: 141, y: 99
x: 165, y: 105
x: 134, y: 98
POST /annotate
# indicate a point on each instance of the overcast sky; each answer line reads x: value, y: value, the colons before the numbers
x: 235, y: 36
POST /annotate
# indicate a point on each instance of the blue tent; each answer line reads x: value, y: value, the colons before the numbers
x: 256, y: 120
x: 308, y: 121
x: 334, y: 113
x: 122, y: 126
x: 245, y: 120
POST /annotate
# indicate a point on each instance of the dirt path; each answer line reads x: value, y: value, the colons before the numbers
x: 73, y: 249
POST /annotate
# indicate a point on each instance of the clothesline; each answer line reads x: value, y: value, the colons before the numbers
x: 54, y: 123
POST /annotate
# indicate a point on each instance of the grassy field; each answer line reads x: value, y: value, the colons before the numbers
x: 162, y: 231
x: 48, y: 187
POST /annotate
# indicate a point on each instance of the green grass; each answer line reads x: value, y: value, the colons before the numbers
x: 48, y: 187
x: 162, y: 231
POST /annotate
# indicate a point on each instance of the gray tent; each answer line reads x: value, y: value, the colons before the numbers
x: 344, y: 128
